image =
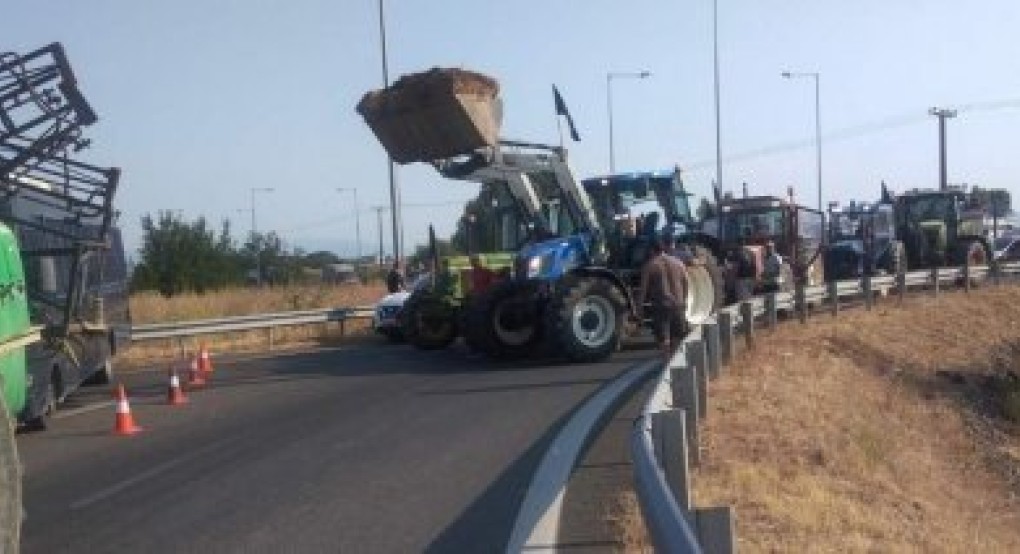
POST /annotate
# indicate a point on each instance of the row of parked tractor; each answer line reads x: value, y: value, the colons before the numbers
x: 569, y: 250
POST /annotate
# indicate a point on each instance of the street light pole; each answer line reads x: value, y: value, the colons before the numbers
x: 357, y: 217
x: 818, y: 125
x: 378, y: 217
x: 394, y: 187
x: 718, y: 131
x: 254, y: 229
x: 942, y: 114
x: 609, y: 106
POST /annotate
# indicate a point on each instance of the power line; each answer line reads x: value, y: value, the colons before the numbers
x: 854, y: 132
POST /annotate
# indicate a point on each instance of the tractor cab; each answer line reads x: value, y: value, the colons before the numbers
x: 862, y: 241
x: 938, y: 228
x: 636, y: 208
x: 746, y: 225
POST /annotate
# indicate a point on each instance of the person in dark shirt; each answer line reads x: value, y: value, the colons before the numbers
x: 481, y: 277
x: 664, y: 286
x: 395, y: 278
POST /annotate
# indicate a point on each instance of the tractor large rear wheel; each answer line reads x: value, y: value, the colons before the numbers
x: 10, y: 484
x: 706, y: 286
x: 428, y: 322
x: 584, y: 319
x: 505, y: 321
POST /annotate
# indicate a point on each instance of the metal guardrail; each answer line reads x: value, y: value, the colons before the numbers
x: 664, y: 442
x: 246, y: 323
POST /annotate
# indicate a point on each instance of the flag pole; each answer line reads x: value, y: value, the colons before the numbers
x: 559, y: 129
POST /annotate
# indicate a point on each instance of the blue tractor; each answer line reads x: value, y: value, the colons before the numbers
x: 574, y: 280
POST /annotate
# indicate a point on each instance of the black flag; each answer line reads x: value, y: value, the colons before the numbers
x: 561, y: 109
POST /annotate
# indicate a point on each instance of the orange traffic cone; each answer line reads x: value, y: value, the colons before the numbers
x: 125, y: 424
x: 174, y: 394
x: 204, y: 361
x: 195, y: 377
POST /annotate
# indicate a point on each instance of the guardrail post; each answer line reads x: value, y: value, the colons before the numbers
x: 869, y: 299
x: 993, y: 271
x: 747, y: 322
x: 684, y: 385
x: 697, y: 361
x: 272, y: 335
x: 771, y: 312
x: 800, y: 301
x: 901, y: 286
x: 935, y: 279
x: 725, y: 320
x: 966, y: 274
x: 714, y: 527
x: 669, y: 435
x: 833, y: 291
x: 711, y: 333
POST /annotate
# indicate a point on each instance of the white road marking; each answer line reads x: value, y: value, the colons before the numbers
x: 61, y: 414
x: 148, y: 474
x: 538, y: 521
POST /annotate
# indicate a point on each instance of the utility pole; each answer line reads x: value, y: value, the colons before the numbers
x: 357, y: 217
x: 715, y: 64
x: 394, y: 187
x: 942, y: 114
x: 378, y: 217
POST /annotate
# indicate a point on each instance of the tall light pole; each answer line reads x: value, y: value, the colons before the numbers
x: 254, y: 229
x: 357, y: 216
x: 718, y: 131
x: 818, y: 125
x: 942, y: 114
x: 395, y: 211
x: 378, y: 217
x: 609, y: 105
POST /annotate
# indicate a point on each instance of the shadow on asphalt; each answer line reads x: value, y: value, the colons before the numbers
x: 485, y: 525
x: 508, y: 388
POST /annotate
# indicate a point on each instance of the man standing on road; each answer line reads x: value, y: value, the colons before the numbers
x: 395, y: 278
x: 663, y: 285
x: 481, y: 277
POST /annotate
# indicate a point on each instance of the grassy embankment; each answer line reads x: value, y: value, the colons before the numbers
x: 153, y: 308
x: 896, y: 430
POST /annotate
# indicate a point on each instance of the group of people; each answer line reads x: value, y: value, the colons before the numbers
x: 742, y: 271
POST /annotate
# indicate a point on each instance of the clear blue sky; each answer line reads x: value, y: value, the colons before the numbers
x: 201, y: 100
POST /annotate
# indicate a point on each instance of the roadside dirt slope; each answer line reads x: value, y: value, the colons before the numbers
x: 875, y: 431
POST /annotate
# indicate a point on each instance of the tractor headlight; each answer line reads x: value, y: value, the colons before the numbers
x: 535, y: 266
x: 540, y: 265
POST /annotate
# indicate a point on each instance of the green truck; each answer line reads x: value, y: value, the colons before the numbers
x: 15, y: 334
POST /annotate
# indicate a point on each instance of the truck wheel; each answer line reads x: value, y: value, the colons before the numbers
x: 505, y: 321
x: 427, y: 322
x: 10, y: 483
x: 102, y: 377
x: 584, y: 319
x: 49, y: 403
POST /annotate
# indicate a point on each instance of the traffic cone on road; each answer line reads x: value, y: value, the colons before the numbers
x: 174, y: 394
x: 125, y: 424
x: 195, y: 376
x: 204, y: 360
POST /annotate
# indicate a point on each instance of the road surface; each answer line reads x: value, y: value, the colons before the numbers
x: 364, y: 449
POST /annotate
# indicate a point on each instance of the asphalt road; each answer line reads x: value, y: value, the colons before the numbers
x: 367, y: 449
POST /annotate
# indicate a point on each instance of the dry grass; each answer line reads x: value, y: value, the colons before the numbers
x: 153, y: 308
x: 844, y: 435
x: 625, y: 521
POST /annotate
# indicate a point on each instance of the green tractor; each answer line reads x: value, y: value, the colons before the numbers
x: 432, y: 317
x: 939, y: 229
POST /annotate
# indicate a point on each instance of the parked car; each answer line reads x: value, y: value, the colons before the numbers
x: 386, y: 317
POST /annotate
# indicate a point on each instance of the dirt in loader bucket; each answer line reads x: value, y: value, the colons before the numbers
x: 433, y: 115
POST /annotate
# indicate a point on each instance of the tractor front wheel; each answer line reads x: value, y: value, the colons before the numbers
x: 428, y: 322
x: 504, y: 322
x: 584, y: 319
